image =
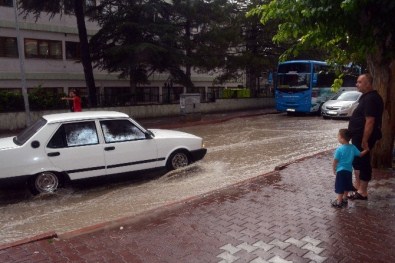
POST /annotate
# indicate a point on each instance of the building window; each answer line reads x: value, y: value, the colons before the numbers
x: 6, y: 3
x: 8, y: 47
x: 38, y: 48
x: 73, y: 50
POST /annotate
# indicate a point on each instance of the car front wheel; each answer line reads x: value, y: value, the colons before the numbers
x: 45, y: 182
x: 177, y: 160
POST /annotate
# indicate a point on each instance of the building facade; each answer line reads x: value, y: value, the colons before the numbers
x: 50, y: 60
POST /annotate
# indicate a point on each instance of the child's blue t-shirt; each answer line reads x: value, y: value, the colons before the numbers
x: 345, y: 154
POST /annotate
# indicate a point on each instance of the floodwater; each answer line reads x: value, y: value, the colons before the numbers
x: 237, y: 150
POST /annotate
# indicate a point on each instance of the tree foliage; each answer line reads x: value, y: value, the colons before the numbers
x: 136, y: 39
x: 349, y: 30
x: 78, y: 7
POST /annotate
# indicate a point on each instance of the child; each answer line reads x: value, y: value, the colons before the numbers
x: 342, y: 167
x: 73, y: 96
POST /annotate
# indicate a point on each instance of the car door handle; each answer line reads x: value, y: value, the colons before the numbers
x: 53, y: 154
x: 111, y: 148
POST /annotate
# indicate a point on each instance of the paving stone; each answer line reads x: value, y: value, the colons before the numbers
x: 277, y: 259
x: 231, y: 249
x: 247, y: 247
x: 315, y: 257
x: 258, y: 260
x: 312, y: 241
x: 279, y: 244
x: 295, y: 242
x: 313, y: 249
x: 227, y: 257
x: 263, y: 245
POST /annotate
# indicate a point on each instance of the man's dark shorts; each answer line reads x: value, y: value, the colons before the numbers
x: 363, y: 163
x: 343, y: 182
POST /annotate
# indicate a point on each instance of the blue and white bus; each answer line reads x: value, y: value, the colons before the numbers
x: 304, y: 85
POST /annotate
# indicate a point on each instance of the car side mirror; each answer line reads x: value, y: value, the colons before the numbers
x: 35, y: 144
x: 149, y: 134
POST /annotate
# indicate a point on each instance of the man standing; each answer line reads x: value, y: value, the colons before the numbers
x: 365, y: 128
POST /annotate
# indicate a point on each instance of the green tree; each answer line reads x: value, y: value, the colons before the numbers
x: 250, y: 48
x: 79, y: 9
x: 203, y: 33
x: 260, y: 54
x: 350, y: 30
x: 136, y: 39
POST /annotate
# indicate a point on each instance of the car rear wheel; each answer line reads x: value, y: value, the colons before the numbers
x: 177, y: 160
x: 45, y: 182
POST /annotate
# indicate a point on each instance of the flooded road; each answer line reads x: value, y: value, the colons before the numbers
x: 237, y: 150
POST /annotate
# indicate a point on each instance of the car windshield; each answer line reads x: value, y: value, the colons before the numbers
x: 27, y: 133
x: 347, y: 96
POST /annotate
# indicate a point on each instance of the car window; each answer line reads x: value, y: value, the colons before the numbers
x: 120, y: 130
x: 27, y: 133
x: 74, y: 134
x: 348, y: 96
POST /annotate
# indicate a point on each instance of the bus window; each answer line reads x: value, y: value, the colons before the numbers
x: 294, y: 67
x: 293, y: 82
x: 325, y: 76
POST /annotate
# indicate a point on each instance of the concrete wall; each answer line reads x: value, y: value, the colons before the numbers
x: 17, y: 120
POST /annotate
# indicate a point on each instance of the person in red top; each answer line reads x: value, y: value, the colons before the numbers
x: 76, y: 107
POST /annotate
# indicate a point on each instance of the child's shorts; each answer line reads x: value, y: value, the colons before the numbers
x: 343, y: 182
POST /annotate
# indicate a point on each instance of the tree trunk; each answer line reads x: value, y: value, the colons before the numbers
x: 188, y: 50
x: 85, y: 53
x: 384, y: 83
x: 132, y: 88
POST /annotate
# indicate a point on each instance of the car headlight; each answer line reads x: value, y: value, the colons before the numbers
x: 346, y: 107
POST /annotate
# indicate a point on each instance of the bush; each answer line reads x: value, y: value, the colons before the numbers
x: 39, y: 99
x: 11, y: 101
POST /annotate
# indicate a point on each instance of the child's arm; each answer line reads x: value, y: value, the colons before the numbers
x: 334, y: 165
x: 364, y: 152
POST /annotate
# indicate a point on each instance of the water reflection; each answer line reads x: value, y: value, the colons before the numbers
x: 237, y: 150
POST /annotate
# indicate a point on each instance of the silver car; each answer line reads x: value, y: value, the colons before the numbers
x: 341, y: 105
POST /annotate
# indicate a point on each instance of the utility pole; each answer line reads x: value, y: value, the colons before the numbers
x: 22, y: 66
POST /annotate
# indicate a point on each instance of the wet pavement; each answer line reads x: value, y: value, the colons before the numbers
x: 281, y: 216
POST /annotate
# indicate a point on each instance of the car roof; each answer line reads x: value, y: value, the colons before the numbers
x: 84, y: 115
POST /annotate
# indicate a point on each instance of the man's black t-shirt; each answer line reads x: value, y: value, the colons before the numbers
x: 370, y: 105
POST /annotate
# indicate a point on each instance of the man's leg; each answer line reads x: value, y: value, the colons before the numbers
x: 363, y: 189
x: 357, y: 181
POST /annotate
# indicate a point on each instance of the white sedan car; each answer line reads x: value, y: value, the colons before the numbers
x: 342, y: 105
x: 71, y: 146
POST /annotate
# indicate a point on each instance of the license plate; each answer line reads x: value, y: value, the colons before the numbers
x: 291, y: 110
x: 331, y: 112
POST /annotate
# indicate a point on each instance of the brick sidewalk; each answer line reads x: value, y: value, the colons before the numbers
x: 282, y: 216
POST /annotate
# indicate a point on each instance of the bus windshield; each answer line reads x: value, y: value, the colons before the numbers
x: 294, y: 67
x: 293, y: 77
x: 293, y: 81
